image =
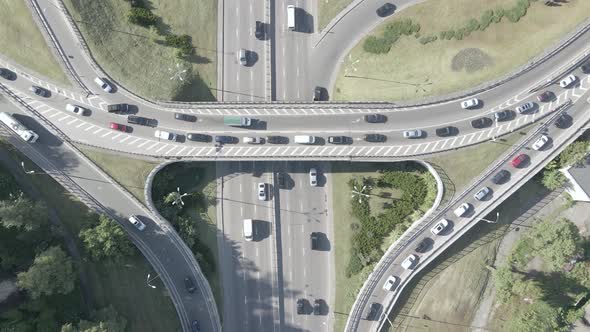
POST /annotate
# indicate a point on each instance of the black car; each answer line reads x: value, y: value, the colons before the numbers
x: 373, y: 312
x: 315, y: 241
x: 185, y: 117
x: 277, y: 139
x: 386, y: 10
x: 586, y: 67
x: 39, y: 91
x: 317, y: 307
x: 225, y: 139
x: 503, y: 115
x: 500, y: 177
x: 375, y: 138
x: 195, y: 326
x: 281, y: 180
x: 563, y: 121
x: 7, y: 74
x: 140, y: 120
x: 339, y: 139
x: 375, y: 118
x: 198, y: 137
x: 260, y: 33
x: 320, y: 94
x: 117, y: 108
x: 423, y: 245
x: 481, y: 123
x: 301, y: 306
x: 189, y: 284
x: 546, y: 96
x: 446, y: 131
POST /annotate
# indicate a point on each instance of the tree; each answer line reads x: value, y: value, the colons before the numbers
x: 142, y: 16
x: 574, y: 153
x: 553, y: 179
x: 555, y: 240
x: 107, y: 320
x: 537, y: 317
x: 52, y: 272
x: 19, y: 211
x: 106, y: 240
x: 187, y: 229
x: 504, y: 281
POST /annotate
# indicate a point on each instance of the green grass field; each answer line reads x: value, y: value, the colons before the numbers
x: 413, y: 71
x: 464, y: 165
x: 328, y: 9
x: 123, y: 285
x: 136, y: 57
x: 22, y: 42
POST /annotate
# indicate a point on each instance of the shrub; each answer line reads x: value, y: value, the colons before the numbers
x: 182, y: 42
x: 486, y: 19
x: 472, y: 25
x: 142, y: 16
x: 450, y: 34
x: 427, y: 39
x: 376, y: 45
x: 459, y: 34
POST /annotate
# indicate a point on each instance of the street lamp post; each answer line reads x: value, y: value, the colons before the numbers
x: 148, y: 280
x: 22, y: 164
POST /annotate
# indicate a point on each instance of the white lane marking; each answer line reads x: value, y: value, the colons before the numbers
x: 191, y: 151
x: 63, y: 118
x: 454, y: 140
x: 135, y: 141
x: 97, y: 131
x: 81, y: 124
x: 153, y: 145
x: 173, y: 148
x: 407, y: 150
x: 462, y: 140
x: 89, y: 127
x: 107, y: 134
x: 180, y: 151
x: 119, y: 134
x: 480, y: 135
x: 124, y: 139
x: 74, y: 120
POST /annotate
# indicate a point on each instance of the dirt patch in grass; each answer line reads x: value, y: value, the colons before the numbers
x: 328, y: 9
x: 131, y: 173
x: 413, y: 71
x: 23, y: 42
x: 137, y: 58
x: 471, y: 60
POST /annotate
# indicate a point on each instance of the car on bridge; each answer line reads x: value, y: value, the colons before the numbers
x: 162, y: 134
x: 142, y: 121
x: 189, y: 284
x: 469, y: 103
x: 446, y: 131
x: 7, y: 74
x: 500, y: 177
x: 185, y: 117
x: 315, y: 240
x: 375, y: 118
x: 195, y: 326
x: 243, y: 57
x: 253, y: 140
x: 540, y: 143
x: 198, y: 137
x: 546, y: 96
x: 519, y: 160
x: 39, y: 91
x: 482, y: 193
x: 262, y: 191
x: 106, y: 87
x: 277, y: 139
x: 320, y: 94
x: 313, y: 177
x: 481, y: 123
x: 223, y: 139
x: 525, y: 107
x: 423, y: 245
x: 301, y: 304
x: 502, y: 115
x: 415, y: 133
x: 439, y: 227
x: 117, y: 108
x: 567, y: 81
x: 75, y: 109
x: 374, y: 311
x: 119, y: 127
x: 391, y: 283
x: 375, y: 138
x: 586, y: 67
x: 410, y: 262
x: 462, y: 210
x: 339, y: 140
x: 260, y: 32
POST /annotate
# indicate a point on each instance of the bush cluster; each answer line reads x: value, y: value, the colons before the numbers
x: 368, y: 236
x: 391, y: 34
x: 142, y: 16
x: 182, y: 43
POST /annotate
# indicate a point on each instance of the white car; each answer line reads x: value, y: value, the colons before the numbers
x: 75, y: 109
x: 540, y: 143
x: 136, y: 222
x: 525, y: 107
x: 252, y: 140
x: 469, y: 103
x: 165, y: 135
x: 410, y: 262
x: 103, y: 85
x: 313, y: 177
x: 262, y: 191
x: 416, y: 133
x: 242, y: 57
x: 564, y: 83
x: 483, y: 192
x: 390, y: 283
x: 461, y: 210
x: 439, y: 227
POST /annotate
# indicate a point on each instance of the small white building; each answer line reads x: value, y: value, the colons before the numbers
x: 579, y: 180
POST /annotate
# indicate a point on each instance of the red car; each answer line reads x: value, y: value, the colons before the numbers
x: 516, y: 162
x: 118, y: 126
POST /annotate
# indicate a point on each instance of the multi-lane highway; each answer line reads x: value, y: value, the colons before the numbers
x: 265, y: 277
x: 269, y: 275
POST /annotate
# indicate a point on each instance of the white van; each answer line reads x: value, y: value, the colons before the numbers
x: 304, y: 139
x: 248, y: 230
x: 291, y: 17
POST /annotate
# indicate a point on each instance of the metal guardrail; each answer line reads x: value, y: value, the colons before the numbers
x: 401, y: 244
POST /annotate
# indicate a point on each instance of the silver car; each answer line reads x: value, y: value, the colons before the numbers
x: 242, y: 57
x: 416, y: 133
x: 482, y: 193
x: 262, y: 191
x: 313, y: 177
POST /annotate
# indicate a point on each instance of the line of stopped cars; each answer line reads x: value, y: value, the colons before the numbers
x: 444, y: 226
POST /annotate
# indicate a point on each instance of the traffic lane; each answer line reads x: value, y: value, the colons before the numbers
x: 455, y: 222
